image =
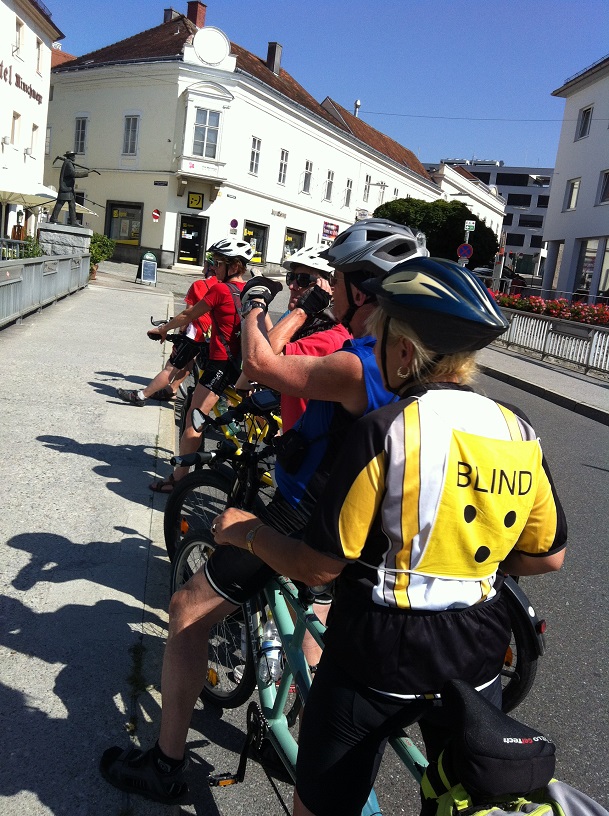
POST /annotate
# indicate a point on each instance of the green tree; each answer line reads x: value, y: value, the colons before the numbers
x: 101, y: 249
x: 443, y: 223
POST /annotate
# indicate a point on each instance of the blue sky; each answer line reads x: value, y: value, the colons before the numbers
x: 445, y: 79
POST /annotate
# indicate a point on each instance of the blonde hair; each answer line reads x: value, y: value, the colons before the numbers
x: 462, y: 366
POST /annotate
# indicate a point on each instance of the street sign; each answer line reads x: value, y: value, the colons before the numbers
x: 470, y: 226
x: 465, y: 251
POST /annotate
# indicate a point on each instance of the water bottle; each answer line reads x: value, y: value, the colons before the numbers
x: 223, y: 406
x: 271, y: 667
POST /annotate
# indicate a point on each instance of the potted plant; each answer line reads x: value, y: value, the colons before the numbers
x: 101, y: 249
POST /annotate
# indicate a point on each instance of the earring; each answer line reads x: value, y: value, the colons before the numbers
x: 401, y: 375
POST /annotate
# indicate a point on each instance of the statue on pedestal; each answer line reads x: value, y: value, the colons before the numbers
x: 67, y: 178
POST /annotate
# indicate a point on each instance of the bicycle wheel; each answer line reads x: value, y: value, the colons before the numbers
x: 193, y: 552
x: 520, y: 662
x: 192, y: 506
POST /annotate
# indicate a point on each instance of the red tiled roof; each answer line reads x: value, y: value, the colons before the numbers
x: 375, y: 139
x: 60, y: 57
x: 458, y: 168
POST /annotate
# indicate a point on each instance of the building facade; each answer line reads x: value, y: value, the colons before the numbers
x: 577, y: 224
x: 196, y: 138
x: 526, y: 191
x: 27, y: 34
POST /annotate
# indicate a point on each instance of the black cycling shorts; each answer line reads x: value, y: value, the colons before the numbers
x: 218, y: 374
x: 237, y: 575
x: 185, y: 350
x: 343, y: 734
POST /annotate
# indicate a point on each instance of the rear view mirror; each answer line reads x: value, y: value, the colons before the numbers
x: 198, y: 420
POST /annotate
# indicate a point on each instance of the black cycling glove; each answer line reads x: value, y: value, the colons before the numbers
x: 260, y: 288
x: 314, y: 300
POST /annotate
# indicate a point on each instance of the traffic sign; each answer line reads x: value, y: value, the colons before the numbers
x: 465, y: 251
x: 470, y: 226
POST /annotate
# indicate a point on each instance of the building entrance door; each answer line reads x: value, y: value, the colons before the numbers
x: 191, y: 240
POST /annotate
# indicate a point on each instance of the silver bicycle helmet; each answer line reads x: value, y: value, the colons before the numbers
x: 446, y: 305
x: 310, y: 257
x: 233, y: 248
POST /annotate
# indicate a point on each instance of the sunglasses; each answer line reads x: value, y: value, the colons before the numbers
x: 213, y: 262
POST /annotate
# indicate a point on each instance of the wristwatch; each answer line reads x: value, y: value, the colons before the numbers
x: 253, y: 304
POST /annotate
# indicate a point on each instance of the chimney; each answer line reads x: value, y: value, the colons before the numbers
x: 196, y: 13
x: 356, y: 108
x: 169, y: 14
x: 273, y: 57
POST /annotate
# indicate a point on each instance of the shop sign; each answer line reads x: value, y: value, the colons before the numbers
x: 195, y: 201
x: 6, y: 73
x: 161, y: 183
x: 330, y: 231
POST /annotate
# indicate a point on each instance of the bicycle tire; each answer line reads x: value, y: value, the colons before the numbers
x: 520, y: 663
x: 231, y: 675
x: 192, y: 506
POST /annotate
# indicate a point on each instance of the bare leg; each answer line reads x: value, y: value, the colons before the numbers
x: 193, y: 610
x: 311, y: 650
x: 204, y: 400
x: 162, y: 379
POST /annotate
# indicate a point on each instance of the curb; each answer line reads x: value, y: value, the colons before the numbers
x: 589, y: 411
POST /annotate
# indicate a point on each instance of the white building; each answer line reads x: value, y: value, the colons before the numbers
x: 577, y: 223
x: 196, y: 138
x: 26, y: 37
x: 484, y: 201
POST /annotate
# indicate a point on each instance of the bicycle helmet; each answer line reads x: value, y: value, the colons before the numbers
x: 233, y: 248
x: 371, y: 248
x: 445, y: 304
x: 310, y: 257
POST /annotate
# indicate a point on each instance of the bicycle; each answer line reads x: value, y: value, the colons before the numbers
x: 236, y: 474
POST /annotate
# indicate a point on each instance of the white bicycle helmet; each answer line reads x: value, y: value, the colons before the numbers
x: 309, y: 257
x: 233, y: 248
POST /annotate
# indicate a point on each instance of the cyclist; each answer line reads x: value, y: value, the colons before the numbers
x: 222, y: 303
x: 309, y: 327
x: 340, y: 387
x: 433, y: 495
x: 166, y: 383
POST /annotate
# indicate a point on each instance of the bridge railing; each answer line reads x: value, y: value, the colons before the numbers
x: 28, y: 284
x: 579, y: 344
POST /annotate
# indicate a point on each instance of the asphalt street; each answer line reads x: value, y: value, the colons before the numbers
x: 84, y: 578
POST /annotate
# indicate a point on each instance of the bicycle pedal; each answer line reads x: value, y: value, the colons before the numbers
x: 222, y: 780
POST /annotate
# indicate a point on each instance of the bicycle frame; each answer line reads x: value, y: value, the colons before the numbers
x: 281, y: 596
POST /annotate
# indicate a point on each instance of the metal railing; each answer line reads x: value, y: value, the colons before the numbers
x: 28, y: 284
x: 583, y: 346
x: 11, y: 249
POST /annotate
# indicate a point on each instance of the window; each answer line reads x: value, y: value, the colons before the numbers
x: 530, y: 221
x: 382, y: 188
x: 571, y: 194
x: 39, y: 56
x: 283, y: 167
x: 583, y: 122
x: 308, y: 175
x: 205, y: 140
x: 256, y: 235
x: 348, y: 193
x: 507, y: 219
x: 123, y: 222
x: 255, y: 155
x: 515, y: 239
x: 47, y: 142
x: 485, y: 178
x: 329, y: 185
x: 542, y: 201
x: 367, y: 188
x: 513, y: 179
x: 15, y: 127
x: 536, y: 241
x: 396, y: 192
x: 518, y: 200
x: 18, y: 37
x: 132, y: 124
x: 603, y: 193
x: 80, y: 135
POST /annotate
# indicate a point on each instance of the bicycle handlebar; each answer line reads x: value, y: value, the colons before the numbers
x: 190, y: 459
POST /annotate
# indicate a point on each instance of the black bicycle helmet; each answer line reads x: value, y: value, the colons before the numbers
x: 446, y: 305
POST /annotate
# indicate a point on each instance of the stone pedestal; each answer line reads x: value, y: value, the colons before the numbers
x: 57, y: 239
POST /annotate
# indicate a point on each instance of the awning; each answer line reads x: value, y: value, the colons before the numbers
x: 33, y: 197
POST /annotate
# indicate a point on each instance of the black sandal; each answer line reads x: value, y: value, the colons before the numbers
x: 134, y: 771
x: 163, y: 485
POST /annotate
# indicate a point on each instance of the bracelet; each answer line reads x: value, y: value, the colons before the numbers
x: 250, y: 537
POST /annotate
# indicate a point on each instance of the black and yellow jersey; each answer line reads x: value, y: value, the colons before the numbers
x: 432, y: 494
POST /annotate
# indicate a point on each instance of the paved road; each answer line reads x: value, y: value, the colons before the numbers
x: 84, y: 578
